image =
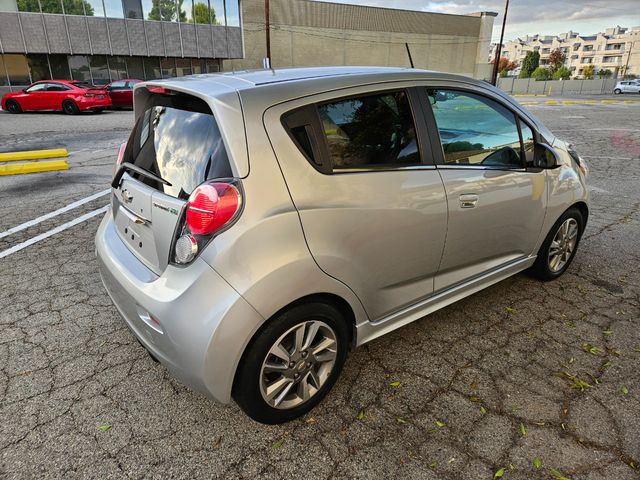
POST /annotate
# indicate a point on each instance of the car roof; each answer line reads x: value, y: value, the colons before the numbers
x: 246, y: 79
x: 280, y: 84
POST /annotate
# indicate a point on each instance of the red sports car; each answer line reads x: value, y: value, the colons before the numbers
x: 70, y: 96
x: 121, y: 92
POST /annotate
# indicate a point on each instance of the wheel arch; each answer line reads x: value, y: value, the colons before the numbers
x: 332, y: 299
x: 583, y: 208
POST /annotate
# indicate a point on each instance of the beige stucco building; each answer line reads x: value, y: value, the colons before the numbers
x: 616, y: 49
x: 311, y: 33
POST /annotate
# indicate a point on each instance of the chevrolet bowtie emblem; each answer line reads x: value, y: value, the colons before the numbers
x: 126, y: 196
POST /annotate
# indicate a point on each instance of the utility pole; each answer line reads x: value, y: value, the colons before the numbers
x: 496, y: 59
x: 267, y: 26
x: 626, y: 65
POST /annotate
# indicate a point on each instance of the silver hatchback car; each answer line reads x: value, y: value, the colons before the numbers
x: 264, y: 223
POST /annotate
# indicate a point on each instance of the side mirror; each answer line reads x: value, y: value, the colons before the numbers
x: 545, y: 156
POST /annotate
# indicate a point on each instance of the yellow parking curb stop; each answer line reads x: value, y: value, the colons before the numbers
x: 33, y: 167
x: 33, y: 154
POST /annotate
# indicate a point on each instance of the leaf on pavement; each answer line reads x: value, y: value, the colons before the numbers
x: 499, y: 473
x: 104, y: 427
x: 592, y: 349
x: 483, y: 410
x: 395, y: 384
x: 537, y: 463
x: 510, y: 309
x: 278, y: 442
x: 523, y: 431
x: 439, y: 423
x: 360, y: 415
x: 557, y: 474
x: 401, y: 420
x: 625, y: 390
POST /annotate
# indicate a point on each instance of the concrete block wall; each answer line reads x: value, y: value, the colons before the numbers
x: 305, y: 33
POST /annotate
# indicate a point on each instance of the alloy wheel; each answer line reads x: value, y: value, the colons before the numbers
x: 563, y: 245
x: 298, y: 364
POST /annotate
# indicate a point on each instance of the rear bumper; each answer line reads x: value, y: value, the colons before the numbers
x: 88, y: 103
x: 190, y: 318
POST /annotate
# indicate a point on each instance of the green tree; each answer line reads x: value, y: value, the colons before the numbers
x: 166, y: 10
x: 504, y: 73
x: 562, y: 73
x: 71, y: 7
x: 556, y: 59
x: 203, y: 13
x: 541, y: 73
x: 604, y: 73
x: 588, y: 72
x: 529, y: 64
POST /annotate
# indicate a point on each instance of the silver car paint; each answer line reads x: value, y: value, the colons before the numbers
x: 210, y: 310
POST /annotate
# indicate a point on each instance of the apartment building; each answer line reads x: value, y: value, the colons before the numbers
x: 616, y: 49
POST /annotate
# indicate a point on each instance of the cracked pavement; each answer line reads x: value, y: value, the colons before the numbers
x: 518, y: 372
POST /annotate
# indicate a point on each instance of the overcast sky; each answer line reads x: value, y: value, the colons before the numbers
x: 527, y: 17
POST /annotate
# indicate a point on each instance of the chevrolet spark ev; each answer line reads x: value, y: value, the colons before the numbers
x: 264, y: 223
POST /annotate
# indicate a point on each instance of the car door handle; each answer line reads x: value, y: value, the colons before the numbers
x: 468, y: 200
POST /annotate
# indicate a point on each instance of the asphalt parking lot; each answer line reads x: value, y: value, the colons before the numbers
x: 523, y: 380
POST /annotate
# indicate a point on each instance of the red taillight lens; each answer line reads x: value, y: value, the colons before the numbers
x: 119, y: 159
x: 123, y: 147
x: 161, y: 90
x: 89, y: 94
x: 211, y: 206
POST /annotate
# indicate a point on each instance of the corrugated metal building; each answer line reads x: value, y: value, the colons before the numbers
x: 104, y: 40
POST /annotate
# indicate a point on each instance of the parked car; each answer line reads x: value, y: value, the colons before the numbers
x: 627, y: 86
x: 264, y: 223
x: 70, y: 96
x: 121, y: 92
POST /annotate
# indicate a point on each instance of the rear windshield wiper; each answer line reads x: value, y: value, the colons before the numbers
x: 117, y: 179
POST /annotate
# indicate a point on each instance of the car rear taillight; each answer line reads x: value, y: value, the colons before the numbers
x: 212, y: 207
x: 87, y: 94
x: 119, y: 159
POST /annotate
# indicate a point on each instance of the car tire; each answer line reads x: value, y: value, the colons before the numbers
x: 13, y: 106
x: 617, y: 91
x: 70, y: 107
x: 559, y: 247
x: 271, y: 388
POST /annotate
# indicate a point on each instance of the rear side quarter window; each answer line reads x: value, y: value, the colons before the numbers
x: 367, y: 132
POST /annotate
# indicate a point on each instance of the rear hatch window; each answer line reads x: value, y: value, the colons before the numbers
x: 176, y: 138
x: 183, y: 147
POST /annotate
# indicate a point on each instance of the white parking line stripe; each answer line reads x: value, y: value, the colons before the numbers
x: 58, y: 229
x: 55, y: 213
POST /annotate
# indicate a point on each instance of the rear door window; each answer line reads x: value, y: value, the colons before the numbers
x: 371, y: 131
x: 181, y: 146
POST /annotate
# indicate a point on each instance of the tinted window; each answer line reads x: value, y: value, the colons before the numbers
x: 475, y: 130
x: 132, y: 9
x: 38, y: 87
x: 81, y: 84
x: 370, y: 131
x: 118, y: 85
x: 183, y: 147
x: 57, y: 87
